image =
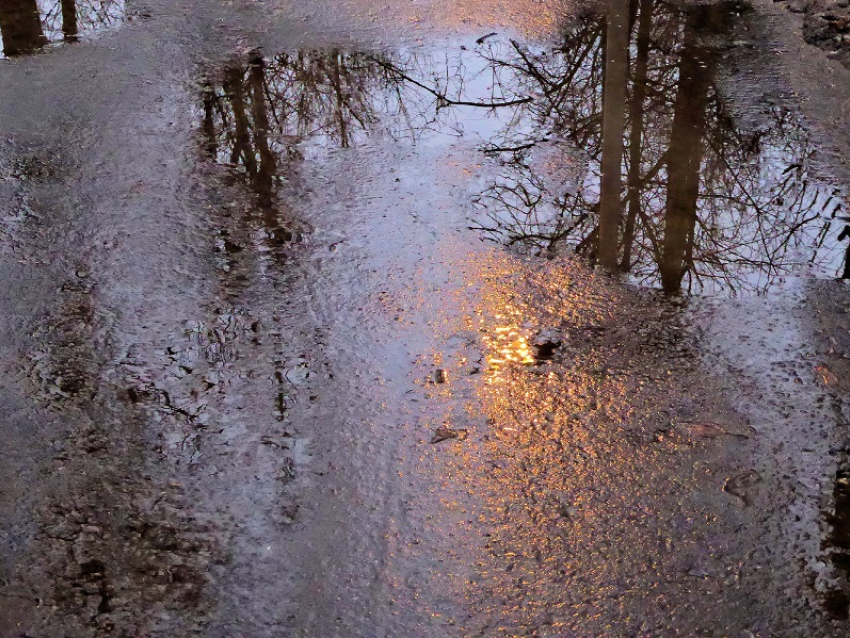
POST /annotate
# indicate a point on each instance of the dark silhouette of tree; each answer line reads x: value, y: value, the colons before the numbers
x: 709, y: 205
x: 28, y: 25
x: 70, y: 30
x: 20, y: 27
x: 613, y: 132
x: 259, y: 113
x: 636, y: 128
x: 837, y: 598
x: 684, y: 156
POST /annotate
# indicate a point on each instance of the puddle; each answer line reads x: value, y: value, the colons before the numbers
x: 705, y: 201
x: 735, y: 213
x: 27, y: 26
x: 569, y: 417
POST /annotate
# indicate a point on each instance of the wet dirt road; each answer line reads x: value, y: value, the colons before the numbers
x: 301, y: 336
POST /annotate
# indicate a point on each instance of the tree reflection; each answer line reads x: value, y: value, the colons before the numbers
x: 613, y: 130
x: 684, y: 154
x: 708, y: 205
x: 28, y: 25
x: 254, y: 116
x: 258, y: 117
x: 838, y: 547
x: 615, y: 143
x: 20, y: 27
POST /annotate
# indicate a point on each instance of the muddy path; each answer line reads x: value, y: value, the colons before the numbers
x: 301, y: 336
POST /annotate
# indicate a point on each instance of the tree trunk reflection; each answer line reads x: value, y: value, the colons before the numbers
x: 613, y: 130
x: 636, y: 127
x: 264, y: 179
x: 20, y: 26
x: 684, y: 157
x: 70, y: 30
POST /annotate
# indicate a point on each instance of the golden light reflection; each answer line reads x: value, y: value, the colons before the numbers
x: 507, y: 346
x: 578, y: 500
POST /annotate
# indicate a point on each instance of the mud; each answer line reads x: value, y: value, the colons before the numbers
x: 302, y: 337
x: 826, y: 25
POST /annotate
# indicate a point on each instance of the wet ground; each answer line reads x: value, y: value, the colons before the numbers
x: 826, y: 24
x: 303, y: 336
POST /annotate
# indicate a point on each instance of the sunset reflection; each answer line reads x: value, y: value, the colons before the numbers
x: 508, y: 345
x: 583, y: 471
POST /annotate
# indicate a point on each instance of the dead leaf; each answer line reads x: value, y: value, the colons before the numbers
x: 740, y: 484
x: 826, y: 375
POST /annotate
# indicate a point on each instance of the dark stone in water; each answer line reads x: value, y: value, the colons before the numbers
x: 546, y: 351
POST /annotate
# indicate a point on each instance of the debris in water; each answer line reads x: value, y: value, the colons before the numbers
x: 546, y: 351
x: 287, y: 470
x: 272, y: 442
x: 706, y: 430
x: 545, y: 344
x: 567, y: 511
x: 826, y: 375
x: 484, y: 37
x: 289, y: 513
x: 443, y: 433
x: 740, y: 484
x: 440, y: 376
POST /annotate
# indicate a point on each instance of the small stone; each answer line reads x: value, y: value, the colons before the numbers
x: 289, y: 513
x: 568, y: 511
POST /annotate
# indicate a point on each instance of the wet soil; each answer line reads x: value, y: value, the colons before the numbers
x: 302, y: 337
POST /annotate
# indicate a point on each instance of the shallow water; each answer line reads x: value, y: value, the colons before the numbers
x: 310, y: 341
